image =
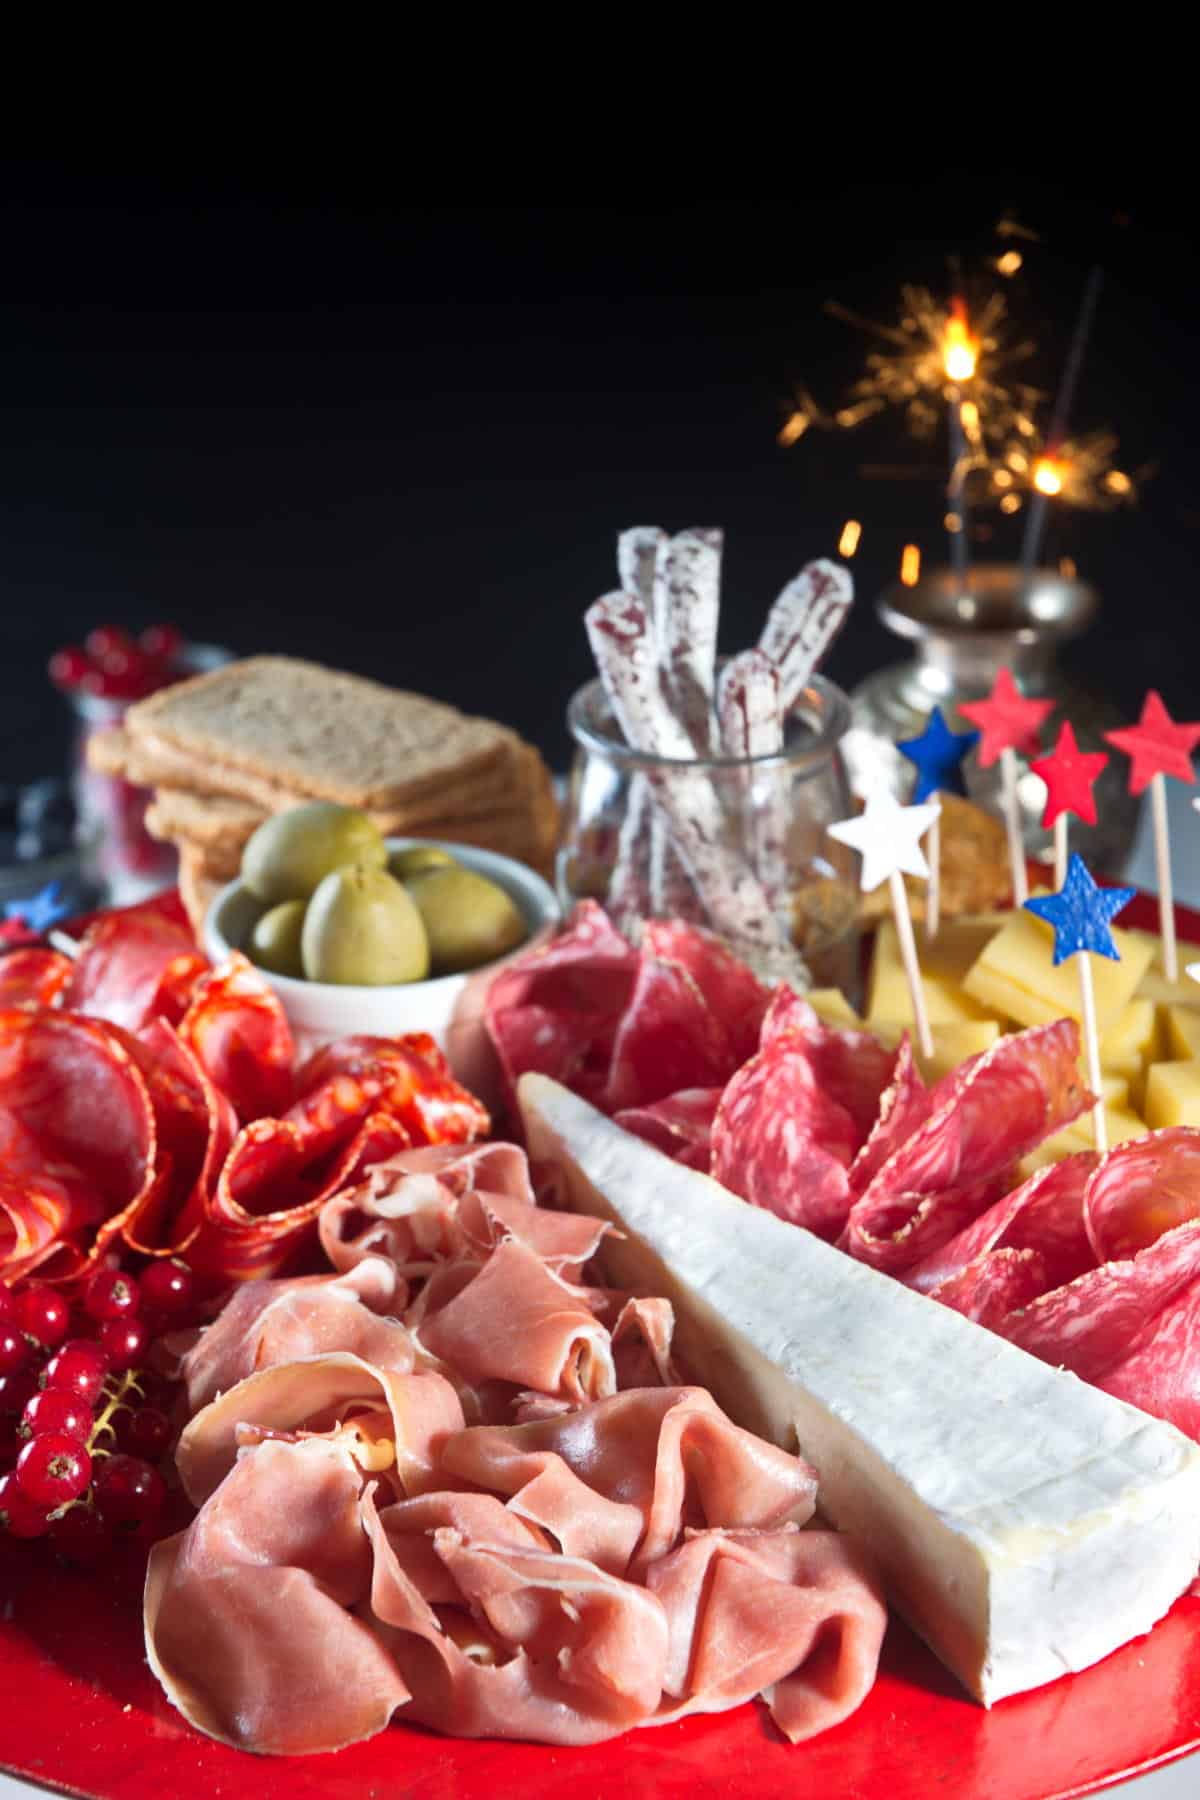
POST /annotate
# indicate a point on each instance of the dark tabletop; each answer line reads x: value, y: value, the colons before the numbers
x: 402, y: 441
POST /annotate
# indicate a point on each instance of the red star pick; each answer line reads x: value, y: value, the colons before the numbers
x: 16, y: 931
x: 1070, y: 775
x: 1007, y: 719
x: 1156, y: 745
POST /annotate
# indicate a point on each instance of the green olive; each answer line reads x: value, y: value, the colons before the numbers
x: 362, y: 927
x: 291, y: 853
x: 406, y: 863
x: 468, y: 919
x: 275, y: 940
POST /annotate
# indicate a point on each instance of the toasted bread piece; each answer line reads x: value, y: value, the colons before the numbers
x: 320, y: 734
x: 209, y: 822
x: 197, y: 888
x: 975, y: 871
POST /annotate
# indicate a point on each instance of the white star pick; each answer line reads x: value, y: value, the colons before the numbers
x: 1193, y: 969
x: 887, y: 837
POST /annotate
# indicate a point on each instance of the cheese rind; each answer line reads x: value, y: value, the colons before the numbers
x: 1027, y: 1523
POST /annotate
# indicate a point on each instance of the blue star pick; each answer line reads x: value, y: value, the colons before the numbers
x: 1080, y: 913
x: 41, y: 910
x: 938, y: 755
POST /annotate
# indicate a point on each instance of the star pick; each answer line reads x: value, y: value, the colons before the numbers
x: 938, y: 757
x: 14, y: 931
x: 41, y: 910
x: 1070, y: 774
x: 1080, y: 913
x: 1156, y: 745
x: 1009, y: 721
x: 888, y: 838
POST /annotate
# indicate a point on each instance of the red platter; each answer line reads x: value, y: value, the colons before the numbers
x: 81, y: 1713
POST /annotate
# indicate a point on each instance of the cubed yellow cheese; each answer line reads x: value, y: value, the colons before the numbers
x: 1154, y: 984
x: 1181, y: 1031
x: 831, y: 1005
x: 1015, y: 976
x: 1131, y: 1041
x: 943, y: 965
x: 953, y: 1043
x: 1173, y: 1094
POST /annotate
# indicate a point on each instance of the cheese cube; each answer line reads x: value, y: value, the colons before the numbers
x: 1131, y: 1041
x: 943, y: 965
x: 1015, y: 977
x: 952, y: 1043
x: 1154, y: 984
x: 1026, y: 1523
x: 1173, y: 1094
x: 1181, y: 1032
x: 832, y: 1006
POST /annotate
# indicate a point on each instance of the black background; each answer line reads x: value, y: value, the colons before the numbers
x: 295, y: 415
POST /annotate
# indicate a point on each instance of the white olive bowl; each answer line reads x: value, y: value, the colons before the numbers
x: 448, y: 1007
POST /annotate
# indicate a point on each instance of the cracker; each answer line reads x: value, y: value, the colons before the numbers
x: 975, y: 871
x: 207, y: 821
x: 320, y: 734
x: 197, y: 889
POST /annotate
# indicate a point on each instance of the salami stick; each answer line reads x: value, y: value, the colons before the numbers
x: 618, y: 631
x: 803, y: 622
x: 646, y: 875
x: 748, y: 706
x: 638, y: 550
x: 687, y: 589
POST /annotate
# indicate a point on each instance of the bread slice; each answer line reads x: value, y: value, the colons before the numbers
x: 210, y: 822
x: 197, y: 888
x: 320, y: 734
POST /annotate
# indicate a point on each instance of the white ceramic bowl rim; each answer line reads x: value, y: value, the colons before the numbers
x: 534, y: 896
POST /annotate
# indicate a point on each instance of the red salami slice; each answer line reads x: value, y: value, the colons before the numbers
x: 544, y: 1041
x: 735, y: 995
x: 1142, y: 1189
x: 77, y: 1133
x: 904, y: 1105
x: 195, y: 1127
x: 236, y: 1025
x: 853, y: 1067
x: 1045, y: 1214
x: 782, y: 1143
x: 1162, y: 1374
x: 1021, y: 1091
x: 668, y: 1039
x: 1088, y: 1325
x: 33, y: 977
x: 587, y: 967
x: 135, y: 966
x: 681, y: 1125
x: 993, y: 1286
x: 407, y: 1078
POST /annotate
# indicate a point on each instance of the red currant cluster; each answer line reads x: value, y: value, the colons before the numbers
x: 82, y: 1420
x: 113, y: 665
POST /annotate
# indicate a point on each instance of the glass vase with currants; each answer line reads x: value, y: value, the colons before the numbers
x: 84, y: 1420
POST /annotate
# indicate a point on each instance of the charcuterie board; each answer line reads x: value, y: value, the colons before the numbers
x: 83, y: 1714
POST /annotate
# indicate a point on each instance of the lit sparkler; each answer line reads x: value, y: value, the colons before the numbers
x: 1079, y: 473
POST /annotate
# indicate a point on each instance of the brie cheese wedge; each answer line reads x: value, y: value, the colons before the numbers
x: 1027, y: 1524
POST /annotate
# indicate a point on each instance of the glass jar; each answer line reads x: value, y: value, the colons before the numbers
x: 737, y: 845
x: 962, y: 638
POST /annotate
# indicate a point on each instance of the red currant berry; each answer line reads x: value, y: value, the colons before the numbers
x: 125, y: 1342
x: 111, y: 1295
x: 19, y: 1516
x: 79, y: 1368
x: 45, y: 1315
x: 108, y: 640
x: 163, y: 642
x: 15, y: 1353
x: 146, y: 1432
x: 69, y: 666
x: 54, y: 1409
x: 129, y: 1493
x: 7, y: 1305
x: 167, y: 1289
x: 81, y: 1536
x: 53, y: 1469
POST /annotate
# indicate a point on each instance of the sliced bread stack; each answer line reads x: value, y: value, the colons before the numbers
x: 226, y: 749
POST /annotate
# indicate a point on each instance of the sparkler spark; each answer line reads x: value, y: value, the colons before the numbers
x: 848, y: 542
x: 1079, y: 473
x: 928, y: 355
x: 910, y: 565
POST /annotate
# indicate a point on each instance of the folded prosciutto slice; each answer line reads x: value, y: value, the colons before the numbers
x: 637, y: 1561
